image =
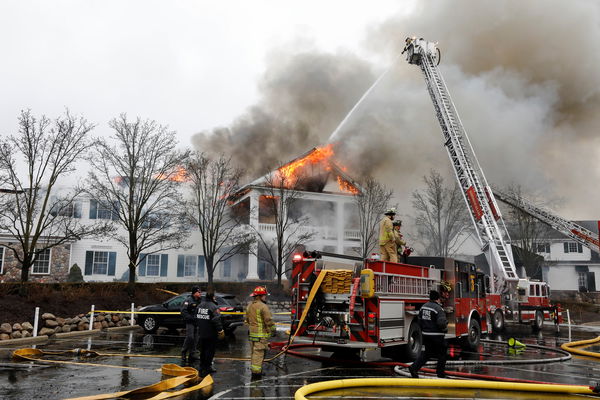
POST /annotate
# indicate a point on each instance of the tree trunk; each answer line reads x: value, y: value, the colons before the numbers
x: 210, y: 271
x: 131, y: 282
x: 24, y: 278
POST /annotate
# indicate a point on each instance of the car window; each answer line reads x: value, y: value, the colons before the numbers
x: 176, y: 302
x: 221, y: 301
x: 231, y: 300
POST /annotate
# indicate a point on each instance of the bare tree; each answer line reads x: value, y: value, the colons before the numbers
x: 526, y: 233
x: 371, y: 202
x: 33, y: 209
x: 137, y: 175
x: 441, y: 216
x: 213, y: 182
x: 280, y: 194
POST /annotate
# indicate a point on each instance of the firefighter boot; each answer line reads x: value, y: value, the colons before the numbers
x: 184, y: 359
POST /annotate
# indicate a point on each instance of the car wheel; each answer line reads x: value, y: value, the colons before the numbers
x: 538, y: 320
x: 498, y: 321
x: 150, y: 324
x: 473, y: 337
x: 412, y: 349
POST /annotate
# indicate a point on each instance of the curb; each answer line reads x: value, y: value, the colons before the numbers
x: 61, y: 335
x: 27, y: 340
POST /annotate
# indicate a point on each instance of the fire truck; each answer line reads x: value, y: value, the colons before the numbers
x: 345, y: 303
x: 511, y: 297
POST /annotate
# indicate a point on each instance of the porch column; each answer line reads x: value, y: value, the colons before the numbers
x: 252, y: 258
x: 340, y: 224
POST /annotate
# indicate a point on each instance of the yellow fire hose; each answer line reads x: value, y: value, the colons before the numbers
x: 438, y: 383
x: 570, y: 347
x: 183, y: 375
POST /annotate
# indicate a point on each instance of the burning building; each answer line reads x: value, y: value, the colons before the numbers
x: 316, y: 196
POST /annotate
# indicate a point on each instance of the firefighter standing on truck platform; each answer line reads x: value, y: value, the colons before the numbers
x: 398, y: 238
x: 261, y: 328
x: 387, y: 242
x: 434, y: 325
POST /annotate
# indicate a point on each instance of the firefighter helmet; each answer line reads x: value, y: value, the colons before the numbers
x: 390, y: 211
x: 397, y: 222
x: 446, y: 286
x: 259, y: 291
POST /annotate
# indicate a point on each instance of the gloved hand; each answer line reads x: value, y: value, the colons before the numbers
x: 221, y: 335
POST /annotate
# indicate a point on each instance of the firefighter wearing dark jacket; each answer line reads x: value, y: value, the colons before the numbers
x: 434, y: 325
x: 260, y: 328
x: 210, y: 329
x: 189, y: 312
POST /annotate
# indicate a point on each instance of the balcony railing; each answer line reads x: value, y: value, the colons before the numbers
x: 320, y: 232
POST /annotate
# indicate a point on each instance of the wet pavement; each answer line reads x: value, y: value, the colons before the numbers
x: 284, y: 375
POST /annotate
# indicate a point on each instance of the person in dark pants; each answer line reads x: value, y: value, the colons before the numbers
x: 189, y: 312
x: 210, y: 329
x: 434, y: 325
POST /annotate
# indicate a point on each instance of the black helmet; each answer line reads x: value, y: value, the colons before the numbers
x: 397, y: 222
x: 196, y: 289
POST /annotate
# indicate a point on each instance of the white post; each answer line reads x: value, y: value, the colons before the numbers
x: 569, y: 322
x: 35, y: 321
x: 132, y: 314
x: 92, y: 318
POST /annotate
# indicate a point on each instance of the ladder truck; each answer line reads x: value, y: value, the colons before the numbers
x: 578, y: 233
x: 510, y: 297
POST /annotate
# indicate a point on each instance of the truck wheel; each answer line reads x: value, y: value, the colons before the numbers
x: 412, y: 349
x: 149, y: 324
x: 471, y: 341
x: 498, y: 321
x: 538, y: 320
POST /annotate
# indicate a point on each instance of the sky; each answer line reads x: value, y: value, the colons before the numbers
x: 192, y: 65
x: 265, y: 81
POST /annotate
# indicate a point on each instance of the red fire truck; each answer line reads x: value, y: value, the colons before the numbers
x: 370, y: 306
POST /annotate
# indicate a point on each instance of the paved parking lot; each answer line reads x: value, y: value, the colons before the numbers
x: 283, y: 376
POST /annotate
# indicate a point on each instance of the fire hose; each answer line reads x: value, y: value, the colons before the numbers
x: 570, y: 347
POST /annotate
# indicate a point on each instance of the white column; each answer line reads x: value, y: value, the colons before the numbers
x: 340, y: 224
x: 252, y: 258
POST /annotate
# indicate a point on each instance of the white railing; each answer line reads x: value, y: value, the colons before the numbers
x: 320, y: 232
x: 405, y: 285
x: 352, y: 234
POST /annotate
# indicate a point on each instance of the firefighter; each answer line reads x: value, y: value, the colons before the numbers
x: 398, y: 238
x: 261, y: 327
x: 210, y: 328
x: 434, y: 325
x: 387, y: 243
x: 189, y: 313
x: 445, y: 289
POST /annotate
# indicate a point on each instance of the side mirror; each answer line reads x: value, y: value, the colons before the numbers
x: 459, y: 292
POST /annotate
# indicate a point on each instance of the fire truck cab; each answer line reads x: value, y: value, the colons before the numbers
x: 370, y: 307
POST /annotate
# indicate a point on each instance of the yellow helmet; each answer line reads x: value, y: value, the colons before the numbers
x: 445, y: 285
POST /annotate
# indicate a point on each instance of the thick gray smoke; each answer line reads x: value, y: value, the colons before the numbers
x: 523, y: 75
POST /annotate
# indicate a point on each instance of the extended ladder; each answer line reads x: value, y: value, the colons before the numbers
x: 476, y: 192
x: 576, y: 232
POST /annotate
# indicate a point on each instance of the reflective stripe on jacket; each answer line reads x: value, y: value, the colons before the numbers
x: 259, y: 319
x: 386, y: 231
x: 432, y: 319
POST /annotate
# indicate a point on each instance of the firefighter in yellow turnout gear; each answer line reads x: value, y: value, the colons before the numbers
x: 387, y: 240
x: 261, y: 328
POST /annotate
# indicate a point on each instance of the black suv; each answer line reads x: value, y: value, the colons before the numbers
x: 226, y: 303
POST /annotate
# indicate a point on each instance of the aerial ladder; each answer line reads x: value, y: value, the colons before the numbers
x: 490, y: 228
x: 578, y: 233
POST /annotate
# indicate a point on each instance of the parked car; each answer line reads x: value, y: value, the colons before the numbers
x: 226, y: 302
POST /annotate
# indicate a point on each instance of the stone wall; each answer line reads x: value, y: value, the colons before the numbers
x: 59, y: 266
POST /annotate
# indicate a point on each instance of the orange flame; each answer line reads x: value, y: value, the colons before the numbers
x: 346, y: 186
x: 179, y: 176
x: 317, y: 156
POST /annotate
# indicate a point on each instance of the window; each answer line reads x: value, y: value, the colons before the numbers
x: 66, y: 208
x: 227, y: 268
x: 189, y: 265
x: 103, y: 211
x: 41, y: 265
x: 572, y: 247
x: 100, y: 263
x: 1, y: 260
x: 543, y: 247
x: 152, y: 265
x: 582, y: 280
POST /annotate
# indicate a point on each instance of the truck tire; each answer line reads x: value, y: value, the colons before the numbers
x: 498, y: 321
x: 412, y: 349
x: 538, y: 320
x: 471, y: 341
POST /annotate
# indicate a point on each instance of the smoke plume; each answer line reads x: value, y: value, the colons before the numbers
x: 523, y: 76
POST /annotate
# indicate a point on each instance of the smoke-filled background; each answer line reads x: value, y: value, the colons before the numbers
x: 524, y: 76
